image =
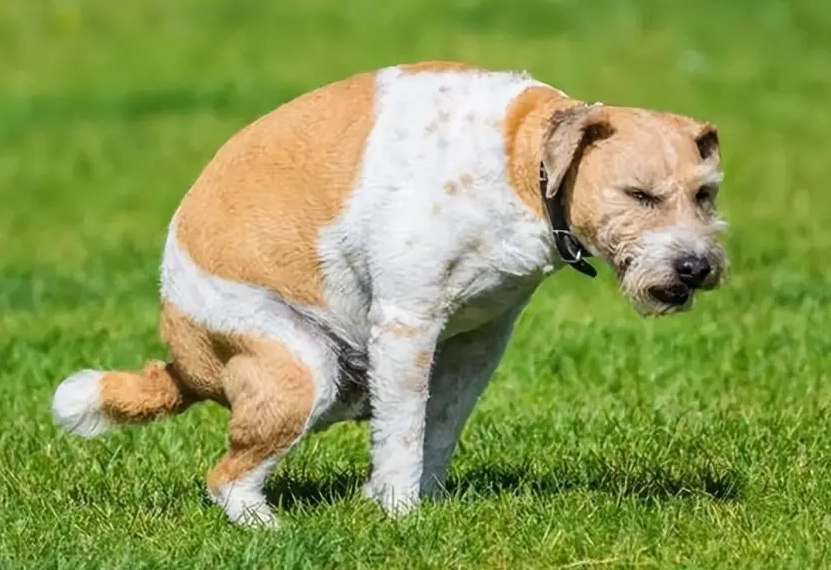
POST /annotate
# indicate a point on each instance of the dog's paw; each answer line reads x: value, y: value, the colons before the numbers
x: 396, y: 500
x: 257, y: 517
x: 244, y: 507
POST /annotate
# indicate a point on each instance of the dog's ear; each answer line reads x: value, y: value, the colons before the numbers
x: 706, y: 139
x: 570, y: 132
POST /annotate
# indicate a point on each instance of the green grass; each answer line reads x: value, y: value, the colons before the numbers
x: 605, y: 441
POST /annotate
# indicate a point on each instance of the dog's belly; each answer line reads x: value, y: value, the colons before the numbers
x: 353, y: 401
x: 477, y: 311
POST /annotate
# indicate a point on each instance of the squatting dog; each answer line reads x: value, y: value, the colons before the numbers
x: 362, y: 253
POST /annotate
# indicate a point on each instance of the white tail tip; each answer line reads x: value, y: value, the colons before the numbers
x: 77, y: 405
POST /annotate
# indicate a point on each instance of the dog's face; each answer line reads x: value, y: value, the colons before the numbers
x: 641, y: 192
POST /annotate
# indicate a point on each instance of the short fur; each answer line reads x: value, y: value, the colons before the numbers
x: 363, y: 251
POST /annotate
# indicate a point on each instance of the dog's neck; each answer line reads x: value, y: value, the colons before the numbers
x: 525, y: 125
x: 527, y: 121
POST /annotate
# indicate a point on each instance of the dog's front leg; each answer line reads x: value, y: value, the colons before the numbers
x: 463, y: 367
x: 401, y: 351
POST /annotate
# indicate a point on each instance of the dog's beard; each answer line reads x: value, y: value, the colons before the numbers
x: 648, y: 264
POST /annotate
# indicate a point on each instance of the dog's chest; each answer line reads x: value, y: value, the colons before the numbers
x: 434, y: 210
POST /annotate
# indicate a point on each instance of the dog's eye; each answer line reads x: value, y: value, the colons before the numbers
x: 644, y: 198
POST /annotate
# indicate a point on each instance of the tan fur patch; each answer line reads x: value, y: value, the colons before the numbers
x: 254, y: 213
x: 271, y: 394
x: 144, y: 395
x: 652, y: 150
x: 436, y: 65
x: 194, y: 354
x: 523, y: 130
x: 401, y: 330
x: 451, y: 187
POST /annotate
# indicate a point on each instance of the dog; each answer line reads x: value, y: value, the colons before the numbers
x: 363, y: 251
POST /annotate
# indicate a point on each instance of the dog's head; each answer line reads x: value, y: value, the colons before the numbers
x: 640, y: 191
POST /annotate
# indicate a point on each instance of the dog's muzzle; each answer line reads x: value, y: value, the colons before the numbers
x: 691, y: 273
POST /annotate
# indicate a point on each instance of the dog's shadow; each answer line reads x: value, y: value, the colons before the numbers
x: 288, y: 491
x: 650, y: 484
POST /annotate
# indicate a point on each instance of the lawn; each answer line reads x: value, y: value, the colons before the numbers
x: 604, y: 441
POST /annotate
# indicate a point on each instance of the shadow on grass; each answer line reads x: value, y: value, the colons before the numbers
x: 648, y: 484
x: 291, y: 490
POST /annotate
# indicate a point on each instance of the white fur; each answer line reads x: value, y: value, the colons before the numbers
x: 449, y: 261
x: 77, y: 405
x: 243, y: 500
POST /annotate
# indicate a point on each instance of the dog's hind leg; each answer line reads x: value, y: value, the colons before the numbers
x: 273, y: 397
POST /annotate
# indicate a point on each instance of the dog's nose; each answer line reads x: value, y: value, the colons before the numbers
x: 692, y: 270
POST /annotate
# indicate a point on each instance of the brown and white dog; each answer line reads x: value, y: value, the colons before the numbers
x: 362, y: 252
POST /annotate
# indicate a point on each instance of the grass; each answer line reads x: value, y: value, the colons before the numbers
x: 604, y: 441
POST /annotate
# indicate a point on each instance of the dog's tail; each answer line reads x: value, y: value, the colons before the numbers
x: 90, y: 402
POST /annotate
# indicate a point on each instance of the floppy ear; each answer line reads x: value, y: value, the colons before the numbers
x: 570, y: 132
x: 706, y: 139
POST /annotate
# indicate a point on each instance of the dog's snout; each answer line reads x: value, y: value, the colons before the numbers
x: 693, y: 270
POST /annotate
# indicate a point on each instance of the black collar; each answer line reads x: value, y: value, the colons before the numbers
x: 570, y: 249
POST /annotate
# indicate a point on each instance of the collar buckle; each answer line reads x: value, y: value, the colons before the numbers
x: 572, y: 252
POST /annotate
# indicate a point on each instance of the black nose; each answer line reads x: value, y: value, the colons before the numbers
x: 692, y: 270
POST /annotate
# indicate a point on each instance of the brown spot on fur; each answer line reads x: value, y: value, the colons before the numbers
x: 451, y: 187
x: 434, y: 66
x: 524, y: 129
x: 254, y: 213
x: 450, y: 267
x: 436, y: 210
x: 466, y: 180
x: 423, y: 359
x: 417, y: 380
x: 401, y: 330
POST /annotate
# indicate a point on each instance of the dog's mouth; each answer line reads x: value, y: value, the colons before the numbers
x: 653, y: 299
x: 675, y: 295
